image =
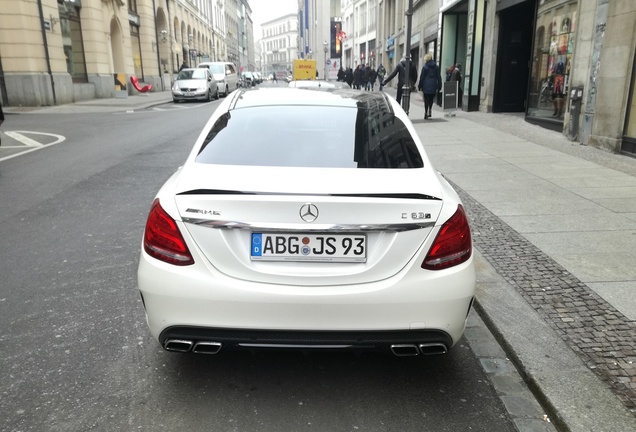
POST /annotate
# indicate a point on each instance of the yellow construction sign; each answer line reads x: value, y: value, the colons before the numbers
x: 304, y: 69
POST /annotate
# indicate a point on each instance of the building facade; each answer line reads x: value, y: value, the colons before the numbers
x: 568, y: 65
x: 280, y: 44
x: 61, y: 51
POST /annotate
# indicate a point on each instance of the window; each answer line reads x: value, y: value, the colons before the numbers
x: 72, y: 41
x: 310, y: 136
x: 553, y: 50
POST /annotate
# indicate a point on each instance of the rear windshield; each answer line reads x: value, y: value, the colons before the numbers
x: 216, y: 68
x: 192, y: 74
x: 310, y: 136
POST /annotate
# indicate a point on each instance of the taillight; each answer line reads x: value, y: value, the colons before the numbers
x: 452, y: 245
x: 163, y: 240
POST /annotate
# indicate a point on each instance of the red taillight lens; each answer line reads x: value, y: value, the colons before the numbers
x: 163, y: 240
x: 452, y: 245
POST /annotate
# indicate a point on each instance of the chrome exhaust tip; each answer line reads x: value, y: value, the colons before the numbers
x: 207, y: 347
x: 435, y: 348
x: 177, y: 345
x: 403, y: 350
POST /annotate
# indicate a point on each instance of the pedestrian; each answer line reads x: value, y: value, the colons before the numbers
x: 381, y: 74
x: 372, y: 77
x: 365, y: 76
x: 357, y: 78
x: 449, y: 72
x: 400, y: 71
x: 430, y: 83
x: 184, y: 65
x: 349, y: 76
x: 456, y: 75
x: 341, y: 74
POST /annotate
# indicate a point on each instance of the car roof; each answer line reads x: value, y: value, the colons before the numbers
x: 247, y: 98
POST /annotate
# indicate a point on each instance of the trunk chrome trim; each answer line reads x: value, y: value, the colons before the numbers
x: 307, y: 227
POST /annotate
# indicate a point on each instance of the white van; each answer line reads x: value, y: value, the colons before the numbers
x: 225, y: 74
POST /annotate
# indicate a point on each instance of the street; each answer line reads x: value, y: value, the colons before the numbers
x: 76, y: 353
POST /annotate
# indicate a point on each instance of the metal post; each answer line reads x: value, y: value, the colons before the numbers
x: 406, y: 90
x: 325, y: 65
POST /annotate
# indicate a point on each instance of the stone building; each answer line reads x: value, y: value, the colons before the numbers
x: 60, y: 51
x: 567, y: 65
x: 280, y: 44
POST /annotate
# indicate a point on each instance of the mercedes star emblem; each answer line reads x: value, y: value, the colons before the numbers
x: 309, y: 212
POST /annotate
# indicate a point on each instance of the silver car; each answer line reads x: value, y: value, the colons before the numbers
x: 194, y: 84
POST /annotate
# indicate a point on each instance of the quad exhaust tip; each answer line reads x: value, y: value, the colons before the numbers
x: 405, y: 350
x: 177, y: 345
x: 206, y: 347
x: 184, y: 346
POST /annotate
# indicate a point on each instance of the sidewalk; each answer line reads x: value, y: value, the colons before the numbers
x: 554, y: 227
x: 112, y: 105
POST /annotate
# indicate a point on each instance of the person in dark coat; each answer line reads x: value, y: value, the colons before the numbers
x: 357, y: 78
x: 400, y: 71
x: 184, y: 65
x: 365, y: 77
x: 430, y: 83
x: 372, y: 77
x: 341, y: 74
x: 349, y: 76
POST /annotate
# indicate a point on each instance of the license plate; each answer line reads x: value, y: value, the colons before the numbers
x: 309, y: 247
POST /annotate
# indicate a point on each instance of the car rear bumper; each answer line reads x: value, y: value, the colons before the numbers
x: 199, y: 95
x: 194, y: 305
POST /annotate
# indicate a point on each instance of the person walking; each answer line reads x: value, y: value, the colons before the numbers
x: 430, y: 83
x: 381, y: 72
x: 365, y: 77
x: 341, y: 74
x: 349, y: 76
x: 372, y: 77
x: 357, y: 78
x: 184, y: 65
x: 400, y: 71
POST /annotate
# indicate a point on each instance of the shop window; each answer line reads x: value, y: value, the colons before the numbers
x: 553, y: 49
x: 135, y: 45
x: 71, y: 29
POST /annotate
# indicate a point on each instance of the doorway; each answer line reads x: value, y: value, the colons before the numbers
x: 516, y: 26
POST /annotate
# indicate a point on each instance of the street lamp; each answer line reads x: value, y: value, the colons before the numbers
x: 325, y: 44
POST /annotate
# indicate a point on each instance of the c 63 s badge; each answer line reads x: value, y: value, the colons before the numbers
x: 416, y: 215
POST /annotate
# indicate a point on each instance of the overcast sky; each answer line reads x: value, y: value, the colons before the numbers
x: 267, y: 10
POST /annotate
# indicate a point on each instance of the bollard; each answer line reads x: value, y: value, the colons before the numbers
x: 406, y: 98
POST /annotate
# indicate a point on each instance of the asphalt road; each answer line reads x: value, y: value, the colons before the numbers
x: 75, y: 351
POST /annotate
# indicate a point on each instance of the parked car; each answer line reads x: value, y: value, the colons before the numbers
x: 248, y: 79
x: 194, y: 84
x: 225, y: 74
x: 318, y: 84
x: 307, y: 219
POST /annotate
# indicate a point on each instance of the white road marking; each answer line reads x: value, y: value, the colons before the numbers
x: 29, y: 142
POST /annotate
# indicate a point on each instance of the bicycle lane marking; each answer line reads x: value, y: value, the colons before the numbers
x: 30, y: 143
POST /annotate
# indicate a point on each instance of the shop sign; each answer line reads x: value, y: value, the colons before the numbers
x: 389, y: 42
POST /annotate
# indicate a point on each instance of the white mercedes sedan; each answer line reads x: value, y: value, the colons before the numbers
x: 307, y: 219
